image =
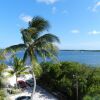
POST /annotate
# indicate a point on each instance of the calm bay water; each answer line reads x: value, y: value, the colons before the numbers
x: 84, y: 57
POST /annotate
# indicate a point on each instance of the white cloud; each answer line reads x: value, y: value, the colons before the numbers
x: 25, y: 18
x: 75, y: 31
x: 54, y: 9
x: 48, y: 1
x: 94, y: 32
x: 96, y: 5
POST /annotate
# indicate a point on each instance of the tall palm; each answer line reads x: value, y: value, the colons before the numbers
x: 36, y: 44
x: 18, y: 68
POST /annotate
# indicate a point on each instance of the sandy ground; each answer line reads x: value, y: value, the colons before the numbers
x: 40, y: 94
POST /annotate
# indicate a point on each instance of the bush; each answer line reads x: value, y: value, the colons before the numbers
x: 67, y: 77
x: 2, y: 95
x: 87, y: 98
x: 15, y: 91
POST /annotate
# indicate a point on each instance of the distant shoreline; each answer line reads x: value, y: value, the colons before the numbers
x: 73, y: 50
x: 83, y: 50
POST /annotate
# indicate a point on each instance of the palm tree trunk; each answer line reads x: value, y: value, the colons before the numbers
x: 33, y: 75
x: 16, y: 81
x: 34, y: 88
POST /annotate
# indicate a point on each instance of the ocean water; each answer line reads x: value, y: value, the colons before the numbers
x: 84, y: 57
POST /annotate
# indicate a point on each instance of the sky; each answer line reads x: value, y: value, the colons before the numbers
x: 75, y: 22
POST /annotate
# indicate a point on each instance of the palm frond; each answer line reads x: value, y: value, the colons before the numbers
x: 10, y: 73
x: 46, y: 39
x: 22, y: 70
x: 15, y: 48
x: 39, y: 23
x: 24, y: 73
x: 51, y: 56
x: 26, y: 35
x: 50, y: 47
x: 33, y: 56
x: 40, y: 54
x: 51, y: 38
x: 45, y: 51
x: 25, y: 56
x: 29, y: 34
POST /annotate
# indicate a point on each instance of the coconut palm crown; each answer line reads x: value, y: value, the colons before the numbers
x: 35, y: 43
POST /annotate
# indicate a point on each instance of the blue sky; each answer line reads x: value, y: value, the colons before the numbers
x: 75, y: 22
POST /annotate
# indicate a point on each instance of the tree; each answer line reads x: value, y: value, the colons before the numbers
x: 18, y: 68
x: 36, y: 44
x: 71, y: 80
x: 2, y: 67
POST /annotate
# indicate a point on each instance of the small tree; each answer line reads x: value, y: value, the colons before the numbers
x: 18, y: 68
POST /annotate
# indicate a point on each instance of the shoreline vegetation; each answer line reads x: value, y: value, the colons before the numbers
x: 67, y: 77
x: 71, y: 80
x: 63, y: 79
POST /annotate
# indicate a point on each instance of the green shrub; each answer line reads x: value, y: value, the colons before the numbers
x: 2, y: 95
x: 87, y: 98
x: 15, y: 91
x: 66, y: 77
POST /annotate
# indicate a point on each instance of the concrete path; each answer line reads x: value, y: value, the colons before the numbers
x: 40, y: 94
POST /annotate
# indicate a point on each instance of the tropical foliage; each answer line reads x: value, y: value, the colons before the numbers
x: 70, y: 80
x: 18, y: 68
x: 34, y: 43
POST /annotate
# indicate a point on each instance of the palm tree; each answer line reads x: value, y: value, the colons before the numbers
x: 2, y: 68
x: 18, y: 68
x: 36, y: 44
